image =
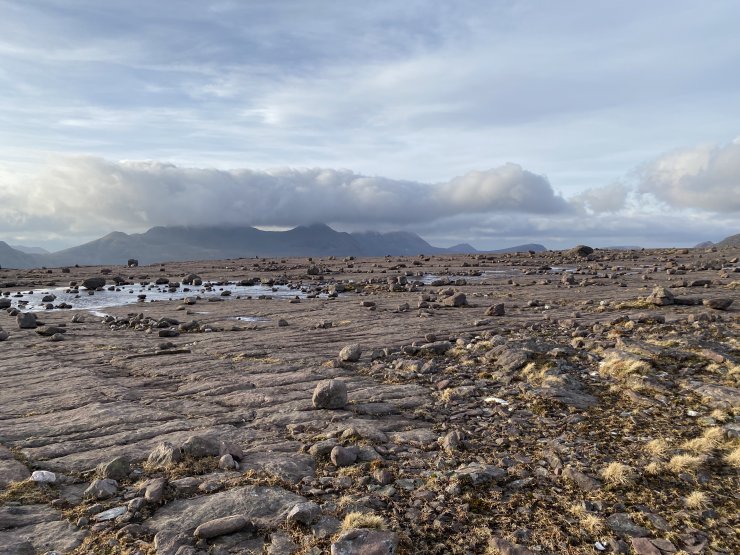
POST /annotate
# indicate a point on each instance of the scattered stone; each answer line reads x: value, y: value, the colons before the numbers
x: 116, y: 469
x: 304, y: 513
x: 622, y: 523
x: 26, y: 320
x: 341, y: 456
x: 94, y: 283
x: 102, y: 489
x: 330, y: 394
x: 222, y: 526
x: 718, y: 303
x: 582, y: 251
x: 199, y: 447
x: 496, y: 310
x: 164, y: 454
x: 350, y: 353
x: 661, y: 296
x: 361, y: 541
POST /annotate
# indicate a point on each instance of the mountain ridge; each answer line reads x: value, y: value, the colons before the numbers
x: 181, y: 243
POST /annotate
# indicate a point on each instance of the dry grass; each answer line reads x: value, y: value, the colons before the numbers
x: 29, y: 492
x: 733, y: 457
x: 685, y: 463
x: 590, y: 522
x: 362, y: 520
x: 654, y: 468
x: 657, y: 447
x: 706, y: 443
x: 621, y: 366
x: 618, y: 474
x: 719, y: 415
x: 541, y: 376
x: 696, y: 500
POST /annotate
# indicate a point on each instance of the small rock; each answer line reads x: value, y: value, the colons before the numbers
x: 164, y: 454
x: 117, y: 469
x: 101, y: 489
x: 154, y: 492
x: 94, y: 283
x: 341, y: 456
x: 661, y: 296
x: 644, y: 546
x: 44, y: 476
x: 718, y: 304
x: 350, y: 353
x: 26, y: 320
x: 222, y: 526
x: 227, y: 462
x: 199, y: 447
x: 623, y: 524
x: 304, y: 513
x: 361, y: 541
x: 457, y: 299
x: 330, y: 394
x: 496, y: 310
x: 582, y: 251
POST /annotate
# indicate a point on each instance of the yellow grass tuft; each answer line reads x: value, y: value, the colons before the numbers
x: 590, y: 522
x: 706, y: 443
x: 363, y: 520
x: 620, y: 366
x: 618, y: 474
x: 654, y: 468
x: 696, y: 500
x: 685, y: 463
x: 719, y: 415
x: 657, y: 447
x: 733, y: 457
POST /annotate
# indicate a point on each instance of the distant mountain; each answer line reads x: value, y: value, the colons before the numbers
x: 30, y: 250
x: 163, y: 244
x: 13, y: 258
x: 731, y: 241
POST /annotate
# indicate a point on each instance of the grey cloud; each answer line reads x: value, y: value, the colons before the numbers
x: 89, y: 194
x: 610, y: 198
x: 706, y: 178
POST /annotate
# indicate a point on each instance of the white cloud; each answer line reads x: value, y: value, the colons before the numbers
x: 610, y: 198
x: 704, y: 178
x: 93, y: 195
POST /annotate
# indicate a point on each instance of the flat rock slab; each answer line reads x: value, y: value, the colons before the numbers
x: 266, y: 507
x: 38, y: 525
x: 291, y: 467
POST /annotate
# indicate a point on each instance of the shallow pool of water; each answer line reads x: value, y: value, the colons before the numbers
x: 31, y: 301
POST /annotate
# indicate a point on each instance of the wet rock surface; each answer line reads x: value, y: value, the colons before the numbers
x: 558, y: 402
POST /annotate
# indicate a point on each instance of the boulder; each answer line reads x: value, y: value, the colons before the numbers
x: 26, y: 320
x: 201, y: 446
x: 117, y: 469
x: 330, y: 394
x: 581, y: 251
x: 350, y: 353
x: 661, y: 296
x: 94, y: 283
x: 496, y: 310
x: 164, y: 454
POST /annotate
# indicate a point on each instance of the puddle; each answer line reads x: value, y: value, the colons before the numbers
x: 251, y: 319
x: 31, y: 301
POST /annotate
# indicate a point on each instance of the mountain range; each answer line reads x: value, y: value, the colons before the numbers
x: 731, y: 241
x: 162, y: 244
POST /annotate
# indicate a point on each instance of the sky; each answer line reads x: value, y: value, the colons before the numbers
x: 493, y: 122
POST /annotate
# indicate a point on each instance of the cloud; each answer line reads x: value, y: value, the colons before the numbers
x: 94, y: 195
x: 610, y: 198
x: 705, y: 178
